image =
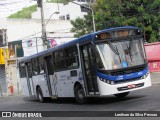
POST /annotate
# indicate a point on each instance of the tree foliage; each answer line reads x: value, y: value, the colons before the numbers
x: 113, y: 13
x: 82, y: 26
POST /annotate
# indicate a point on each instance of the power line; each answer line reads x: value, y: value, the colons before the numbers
x: 30, y: 35
x: 41, y: 31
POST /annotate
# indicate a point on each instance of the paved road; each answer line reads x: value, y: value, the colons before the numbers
x: 155, y: 77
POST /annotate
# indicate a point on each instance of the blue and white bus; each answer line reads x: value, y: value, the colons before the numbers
x: 107, y: 62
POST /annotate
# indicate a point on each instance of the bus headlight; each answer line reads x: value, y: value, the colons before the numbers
x: 107, y: 81
x: 143, y: 77
x: 112, y: 82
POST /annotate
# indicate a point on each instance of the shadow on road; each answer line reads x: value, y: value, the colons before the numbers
x: 92, y: 101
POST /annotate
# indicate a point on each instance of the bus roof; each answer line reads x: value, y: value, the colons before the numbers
x: 78, y: 40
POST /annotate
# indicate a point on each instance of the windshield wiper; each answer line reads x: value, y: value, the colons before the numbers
x: 128, y: 48
x: 113, y: 48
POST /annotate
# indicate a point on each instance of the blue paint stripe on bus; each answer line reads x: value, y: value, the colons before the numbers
x: 123, y: 77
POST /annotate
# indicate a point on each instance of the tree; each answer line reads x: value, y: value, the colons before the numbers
x: 82, y: 26
x: 113, y: 13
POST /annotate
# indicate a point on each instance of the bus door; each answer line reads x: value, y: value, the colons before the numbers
x: 49, y: 71
x: 89, y: 69
x: 29, y: 78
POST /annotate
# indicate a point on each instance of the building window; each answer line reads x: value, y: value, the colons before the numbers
x: 62, y: 17
x: 68, y: 17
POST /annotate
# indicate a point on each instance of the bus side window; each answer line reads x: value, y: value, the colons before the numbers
x: 29, y: 69
x: 22, y: 71
x: 49, y: 64
x: 71, y: 57
x: 35, y: 66
x: 59, y: 60
x: 41, y: 65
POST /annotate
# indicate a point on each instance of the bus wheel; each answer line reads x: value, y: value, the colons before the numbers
x: 121, y: 95
x: 40, y: 95
x: 80, y: 95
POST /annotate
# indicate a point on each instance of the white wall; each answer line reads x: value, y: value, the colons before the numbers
x: 49, y: 9
x: 72, y: 9
x: 18, y: 29
x: 3, y: 23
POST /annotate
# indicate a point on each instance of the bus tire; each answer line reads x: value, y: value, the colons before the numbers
x: 80, y: 95
x: 40, y: 95
x: 121, y: 95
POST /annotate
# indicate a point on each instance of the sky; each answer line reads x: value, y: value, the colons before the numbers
x: 8, y: 7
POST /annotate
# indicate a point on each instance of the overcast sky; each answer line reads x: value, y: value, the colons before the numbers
x: 8, y: 7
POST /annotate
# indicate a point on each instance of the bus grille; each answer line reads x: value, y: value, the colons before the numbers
x: 125, y: 81
x: 116, y: 73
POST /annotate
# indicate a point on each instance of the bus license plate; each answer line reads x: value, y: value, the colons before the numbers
x: 131, y: 86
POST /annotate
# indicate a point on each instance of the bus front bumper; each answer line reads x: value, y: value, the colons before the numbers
x: 108, y: 89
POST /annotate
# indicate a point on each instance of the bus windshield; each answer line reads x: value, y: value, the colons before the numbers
x: 120, y: 54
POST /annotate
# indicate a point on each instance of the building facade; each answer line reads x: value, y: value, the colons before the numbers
x: 28, y: 31
x: 60, y: 11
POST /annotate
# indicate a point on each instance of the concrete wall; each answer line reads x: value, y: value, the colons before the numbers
x: 71, y: 9
x: 19, y: 29
x: 49, y: 9
x: 3, y: 23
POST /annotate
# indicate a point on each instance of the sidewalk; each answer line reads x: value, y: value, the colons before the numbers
x: 155, y: 77
x: 3, y: 95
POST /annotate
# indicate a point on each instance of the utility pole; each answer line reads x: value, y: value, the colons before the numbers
x: 44, y: 36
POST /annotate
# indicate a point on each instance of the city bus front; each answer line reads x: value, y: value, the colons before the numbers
x: 121, y: 61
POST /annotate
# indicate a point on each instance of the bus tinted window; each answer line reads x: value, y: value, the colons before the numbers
x: 71, y: 56
x: 22, y: 71
x: 29, y: 71
x: 35, y: 66
x: 41, y: 65
x: 59, y: 60
x: 49, y: 63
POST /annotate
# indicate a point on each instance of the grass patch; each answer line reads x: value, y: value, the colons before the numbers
x: 25, y: 12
